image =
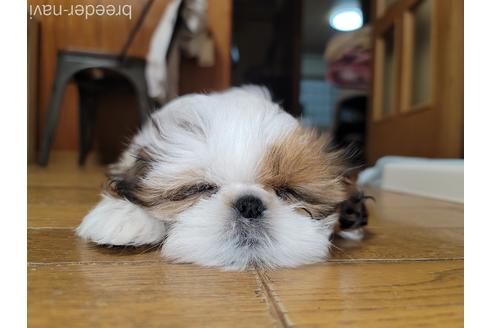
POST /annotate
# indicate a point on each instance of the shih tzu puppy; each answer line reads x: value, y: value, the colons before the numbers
x: 229, y: 180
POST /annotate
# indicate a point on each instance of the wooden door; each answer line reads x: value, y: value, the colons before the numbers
x: 416, y: 105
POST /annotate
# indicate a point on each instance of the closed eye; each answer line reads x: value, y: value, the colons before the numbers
x: 289, y: 193
x: 309, y: 203
x: 286, y: 193
x: 193, y: 190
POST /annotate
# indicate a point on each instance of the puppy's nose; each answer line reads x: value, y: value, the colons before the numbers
x: 249, y: 206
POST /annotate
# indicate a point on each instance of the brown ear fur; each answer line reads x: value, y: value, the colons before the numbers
x: 303, y: 164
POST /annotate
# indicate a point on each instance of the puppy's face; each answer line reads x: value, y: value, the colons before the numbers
x: 237, y: 179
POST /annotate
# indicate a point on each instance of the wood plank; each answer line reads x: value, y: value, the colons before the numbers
x: 144, y: 295
x: 64, y: 179
x: 58, y: 206
x: 63, y: 171
x: 370, y: 295
x: 62, y: 246
x: 411, y: 243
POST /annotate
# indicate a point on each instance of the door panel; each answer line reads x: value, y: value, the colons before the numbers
x: 414, y: 112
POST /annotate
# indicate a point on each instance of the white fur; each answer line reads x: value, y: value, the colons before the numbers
x: 230, y: 133
x: 355, y: 234
x: 205, y: 234
x: 119, y: 222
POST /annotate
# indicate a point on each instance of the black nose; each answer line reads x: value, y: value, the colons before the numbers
x: 250, y: 207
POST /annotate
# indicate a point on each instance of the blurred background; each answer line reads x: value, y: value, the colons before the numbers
x: 383, y: 77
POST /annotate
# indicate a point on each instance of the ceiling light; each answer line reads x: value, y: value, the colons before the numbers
x: 346, y: 17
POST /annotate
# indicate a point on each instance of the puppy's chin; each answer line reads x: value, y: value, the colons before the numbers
x: 212, y: 234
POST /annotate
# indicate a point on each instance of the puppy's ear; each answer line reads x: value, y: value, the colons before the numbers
x: 127, y: 182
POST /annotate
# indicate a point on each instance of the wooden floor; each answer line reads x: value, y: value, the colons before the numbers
x: 408, y: 272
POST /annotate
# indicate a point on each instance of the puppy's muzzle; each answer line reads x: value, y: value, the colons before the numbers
x: 249, y: 207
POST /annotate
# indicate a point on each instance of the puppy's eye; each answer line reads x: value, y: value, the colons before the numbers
x: 289, y: 193
x: 194, y: 190
x: 199, y: 189
x: 285, y: 192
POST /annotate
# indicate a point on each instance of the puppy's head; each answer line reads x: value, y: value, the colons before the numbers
x: 238, y: 179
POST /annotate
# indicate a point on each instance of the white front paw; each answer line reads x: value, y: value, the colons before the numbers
x: 120, y: 222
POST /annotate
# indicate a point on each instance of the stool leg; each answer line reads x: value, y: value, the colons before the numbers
x: 61, y: 79
x: 143, y: 104
x: 87, y: 107
x: 137, y: 78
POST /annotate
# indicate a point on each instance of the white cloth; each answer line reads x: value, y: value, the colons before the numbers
x: 191, y: 38
x: 155, y: 70
x: 436, y: 178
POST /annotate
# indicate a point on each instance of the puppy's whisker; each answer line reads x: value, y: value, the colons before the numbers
x: 151, y: 247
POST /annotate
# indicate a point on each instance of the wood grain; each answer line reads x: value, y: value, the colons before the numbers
x: 64, y: 172
x: 371, y: 295
x: 408, y: 271
x: 144, y: 295
x: 62, y: 246
x: 381, y: 244
x: 59, y: 207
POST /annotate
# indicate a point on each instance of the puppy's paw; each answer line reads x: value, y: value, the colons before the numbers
x: 119, y: 222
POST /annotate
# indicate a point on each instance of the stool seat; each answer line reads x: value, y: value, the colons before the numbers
x: 69, y: 65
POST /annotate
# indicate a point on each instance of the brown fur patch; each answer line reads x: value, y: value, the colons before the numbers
x: 301, y: 169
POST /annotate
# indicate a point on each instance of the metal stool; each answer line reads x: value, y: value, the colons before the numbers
x: 69, y: 65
